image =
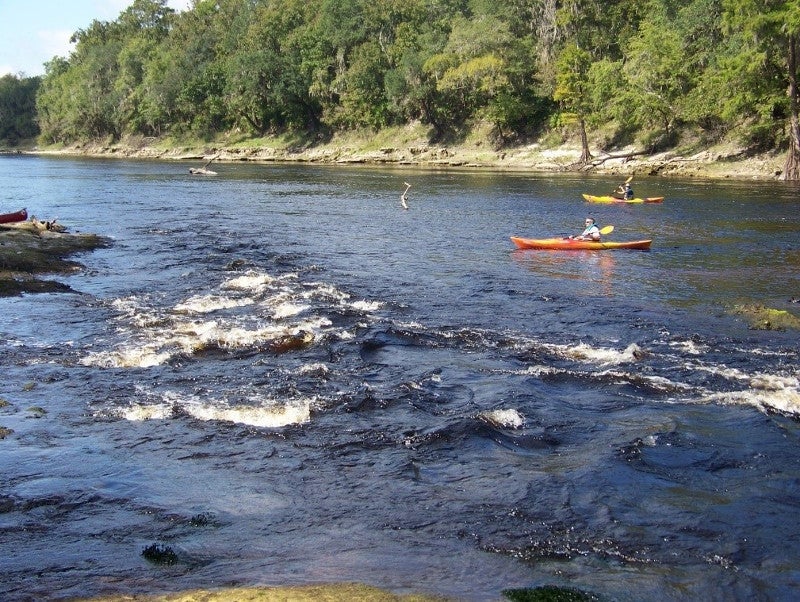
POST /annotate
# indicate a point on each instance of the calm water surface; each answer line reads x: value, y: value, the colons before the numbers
x: 284, y: 377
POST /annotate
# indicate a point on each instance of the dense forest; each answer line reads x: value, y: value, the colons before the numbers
x: 640, y: 71
x: 18, y: 108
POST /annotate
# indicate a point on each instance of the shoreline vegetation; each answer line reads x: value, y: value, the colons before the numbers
x: 410, y: 146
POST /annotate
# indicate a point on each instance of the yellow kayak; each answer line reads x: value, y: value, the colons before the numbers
x: 611, y: 199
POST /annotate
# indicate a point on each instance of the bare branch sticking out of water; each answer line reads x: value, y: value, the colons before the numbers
x: 404, y: 197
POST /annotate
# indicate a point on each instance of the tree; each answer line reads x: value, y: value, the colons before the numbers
x: 18, y: 108
x: 471, y: 70
x: 572, y: 71
x: 656, y: 70
x: 772, y: 28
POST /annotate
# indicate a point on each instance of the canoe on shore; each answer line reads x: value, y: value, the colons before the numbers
x: 570, y: 244
x: 610, y: 199
x: 16, y: 216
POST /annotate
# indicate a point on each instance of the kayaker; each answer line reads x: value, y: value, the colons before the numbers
x: 624, y: 190
x: 591, y: 232
x: 627, y: 191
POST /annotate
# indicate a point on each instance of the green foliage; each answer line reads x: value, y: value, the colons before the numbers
x: 656, y: 73
x: 642, y: 69
x: 18, y: 108
x: 572, y: 70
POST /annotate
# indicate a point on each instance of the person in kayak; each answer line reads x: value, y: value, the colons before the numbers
x: 625, y: 191
x: 591, y: 232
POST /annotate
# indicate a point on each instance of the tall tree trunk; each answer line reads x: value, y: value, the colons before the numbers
x: 791, y: 169
x: 585, y: 154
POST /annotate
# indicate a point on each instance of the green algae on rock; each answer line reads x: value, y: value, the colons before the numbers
x: 767, y: 318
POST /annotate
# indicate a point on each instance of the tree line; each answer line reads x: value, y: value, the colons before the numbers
x: 18, y: 108
x: 641, y: 71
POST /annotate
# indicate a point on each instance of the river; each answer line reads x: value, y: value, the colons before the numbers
x: 282, y: 377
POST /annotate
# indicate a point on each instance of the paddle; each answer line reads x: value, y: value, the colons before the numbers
x: 603, y: 230
x: 621, y: 188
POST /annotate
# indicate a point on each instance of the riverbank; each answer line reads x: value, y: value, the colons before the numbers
x: 410, y: 146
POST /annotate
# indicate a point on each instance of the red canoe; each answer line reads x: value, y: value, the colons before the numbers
x: 17, y: 216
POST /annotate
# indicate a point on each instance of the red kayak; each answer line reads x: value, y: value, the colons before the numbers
x: 570, y: 244
x: 17, y: 216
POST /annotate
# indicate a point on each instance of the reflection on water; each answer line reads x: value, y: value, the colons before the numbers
x: 594, y: 269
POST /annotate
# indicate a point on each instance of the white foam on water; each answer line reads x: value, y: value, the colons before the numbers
x: 597, y: 355
x: 152, y: 336
x: 252, y: 281
x: 203, y: 304
x: 508, y: 418
x: 410, y: 325
x: 189, y: 338
x: 325, y: 291
x: 192, y: 336
x: 690, y: 347
x: 287, y: 309
x: 263, y: 413
x: 367, y: 306
x: 539, y: 370
x: 137, y: 314
x: 130, y: 357
x: 317, y: 368
x: 768, y: 352
x: 765, y: 391
x: 265, y: 417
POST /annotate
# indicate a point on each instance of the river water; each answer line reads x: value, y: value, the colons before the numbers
x: 283, y: 377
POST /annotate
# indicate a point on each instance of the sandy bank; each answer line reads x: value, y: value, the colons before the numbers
x: 409, y: 147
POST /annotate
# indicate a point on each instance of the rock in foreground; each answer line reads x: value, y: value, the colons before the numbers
x: 32, y: 248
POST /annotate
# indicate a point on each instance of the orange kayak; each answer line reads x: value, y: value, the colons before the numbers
x: 570, y: 244
x: 611, y: 199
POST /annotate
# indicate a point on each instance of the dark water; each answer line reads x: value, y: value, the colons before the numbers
x: 286, y: 378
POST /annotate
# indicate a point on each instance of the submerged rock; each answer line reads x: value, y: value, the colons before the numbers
x: 766, y: 318
x: 549, y: 594
x: 160, y: 554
